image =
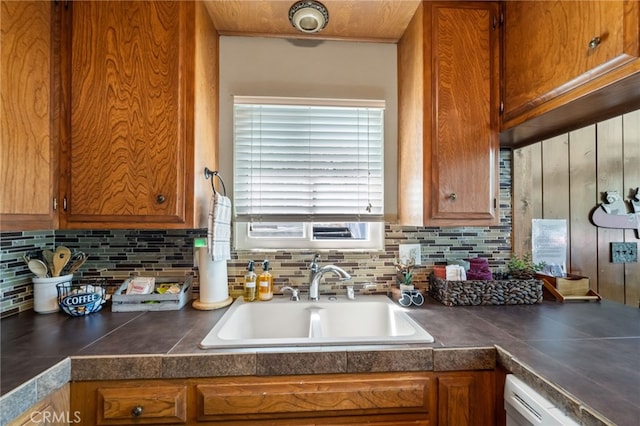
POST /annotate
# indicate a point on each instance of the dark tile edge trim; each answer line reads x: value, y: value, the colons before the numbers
x: 467, y: 358
x: 571, y: 405
x: 18, y: 400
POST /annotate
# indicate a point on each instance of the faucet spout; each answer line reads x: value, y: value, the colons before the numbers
x: 314, y: 285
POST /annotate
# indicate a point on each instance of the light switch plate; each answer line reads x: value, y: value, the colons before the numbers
x: 410, y: 251
x: 624, y: 252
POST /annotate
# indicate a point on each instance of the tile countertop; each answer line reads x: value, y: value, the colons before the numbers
x: 585, y: 356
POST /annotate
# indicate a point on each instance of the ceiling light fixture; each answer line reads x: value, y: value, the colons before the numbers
x: 308, y: 16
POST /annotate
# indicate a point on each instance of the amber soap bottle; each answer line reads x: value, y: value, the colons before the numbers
x: 265, y: 283
x: 250, y: 279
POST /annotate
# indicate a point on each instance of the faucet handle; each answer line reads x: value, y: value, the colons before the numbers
x: 295, y: 294
x: 314, y: 266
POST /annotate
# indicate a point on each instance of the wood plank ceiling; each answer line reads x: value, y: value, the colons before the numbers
x: 381, y: 21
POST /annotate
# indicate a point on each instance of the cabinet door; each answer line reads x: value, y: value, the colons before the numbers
x: 28, y: 159
x: 466, y: 398
x: 462, y: 159
x: 130, y: 113
x: 553, y: 47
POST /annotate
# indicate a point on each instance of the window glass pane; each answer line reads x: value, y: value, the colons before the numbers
x: 340, y: 231
x: 276, y: 230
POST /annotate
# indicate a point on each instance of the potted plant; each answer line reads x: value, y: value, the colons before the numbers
x: 404, y: 275
x: 522, y: 267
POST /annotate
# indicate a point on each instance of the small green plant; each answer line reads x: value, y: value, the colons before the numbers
x: 404, y: 272
x: 523, y: 267
x: 408, y: 277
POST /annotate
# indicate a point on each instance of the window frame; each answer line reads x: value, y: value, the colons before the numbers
x: 375, y: 226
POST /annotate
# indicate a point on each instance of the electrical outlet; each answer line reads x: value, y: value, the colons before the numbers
x: 408, y: 252
x: 624, y: 252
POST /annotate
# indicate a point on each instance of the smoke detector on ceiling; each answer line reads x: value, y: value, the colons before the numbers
x: 308, y: 16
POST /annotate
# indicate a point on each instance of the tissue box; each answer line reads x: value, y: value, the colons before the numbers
x: 123, y: 302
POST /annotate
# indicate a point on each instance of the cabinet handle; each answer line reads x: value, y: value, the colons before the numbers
x: 136, y: 411
x: 453, y: 196
x: 594, y: 42
x: 160, y: 199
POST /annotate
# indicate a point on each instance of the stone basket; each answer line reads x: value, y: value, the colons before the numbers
x: 480, y: 292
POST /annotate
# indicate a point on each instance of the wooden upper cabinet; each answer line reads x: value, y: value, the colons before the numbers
x: 140, y: 113
x: 464, y: 114
x: 567, y: 63
x: 448, y: 162
x: 28, y: 157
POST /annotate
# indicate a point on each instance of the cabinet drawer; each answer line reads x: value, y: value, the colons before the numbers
x: 349, y: 396
x: 142, y: 405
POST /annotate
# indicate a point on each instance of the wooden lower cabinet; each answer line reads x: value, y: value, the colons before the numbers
x: 466, y: 398
x: 51, y: 411
x: 413, y: 398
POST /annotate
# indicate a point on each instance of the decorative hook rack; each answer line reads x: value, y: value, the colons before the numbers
x: 614, y: 213
x: 210, y: 174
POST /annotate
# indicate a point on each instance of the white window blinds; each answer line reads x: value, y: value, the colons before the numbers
x: 308, y: 160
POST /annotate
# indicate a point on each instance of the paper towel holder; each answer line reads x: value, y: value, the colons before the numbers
x: 213, y: 281
x: 210, y: 174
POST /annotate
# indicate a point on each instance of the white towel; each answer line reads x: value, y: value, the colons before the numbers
x: 219, y: 232
x: 455, y: 273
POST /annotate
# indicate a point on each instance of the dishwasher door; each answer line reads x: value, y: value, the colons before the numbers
x: 525, y: 407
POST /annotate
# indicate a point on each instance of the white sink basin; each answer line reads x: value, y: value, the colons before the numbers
x: 339, y: 321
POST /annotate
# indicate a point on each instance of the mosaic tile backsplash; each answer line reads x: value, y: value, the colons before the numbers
x: 115, y: 254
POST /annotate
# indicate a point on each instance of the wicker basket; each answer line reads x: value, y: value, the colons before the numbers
x: 497, y: 292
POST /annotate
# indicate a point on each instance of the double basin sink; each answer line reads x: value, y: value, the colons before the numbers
x: 335, y: 320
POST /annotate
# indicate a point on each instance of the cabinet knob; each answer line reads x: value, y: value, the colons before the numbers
x: 594, y: 42
x: 136, y: 411
x: 160, y: 199
x: 453, y: 196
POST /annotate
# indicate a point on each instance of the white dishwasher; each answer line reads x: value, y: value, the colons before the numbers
x: 525, y: 407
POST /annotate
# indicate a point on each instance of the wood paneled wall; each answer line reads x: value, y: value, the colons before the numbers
x: 565, y: 177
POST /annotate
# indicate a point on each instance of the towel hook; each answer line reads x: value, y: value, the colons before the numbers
x: 209, y: 174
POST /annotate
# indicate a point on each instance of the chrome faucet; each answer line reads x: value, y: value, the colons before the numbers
x: 314, y: 266
x: 295, y: 295
x: 316, y: 274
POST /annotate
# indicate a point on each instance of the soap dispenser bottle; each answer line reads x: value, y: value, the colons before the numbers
x: 250, y: 283
x: 265, y: 283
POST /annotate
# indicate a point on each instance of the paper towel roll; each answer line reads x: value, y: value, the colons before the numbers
x: 214, y: 284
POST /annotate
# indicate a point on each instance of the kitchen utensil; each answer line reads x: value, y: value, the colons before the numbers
x: 39, y: 268
x: 76, y: 262
x: 60, y: 258
x: 47, y: 258
x: 73, y: 259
